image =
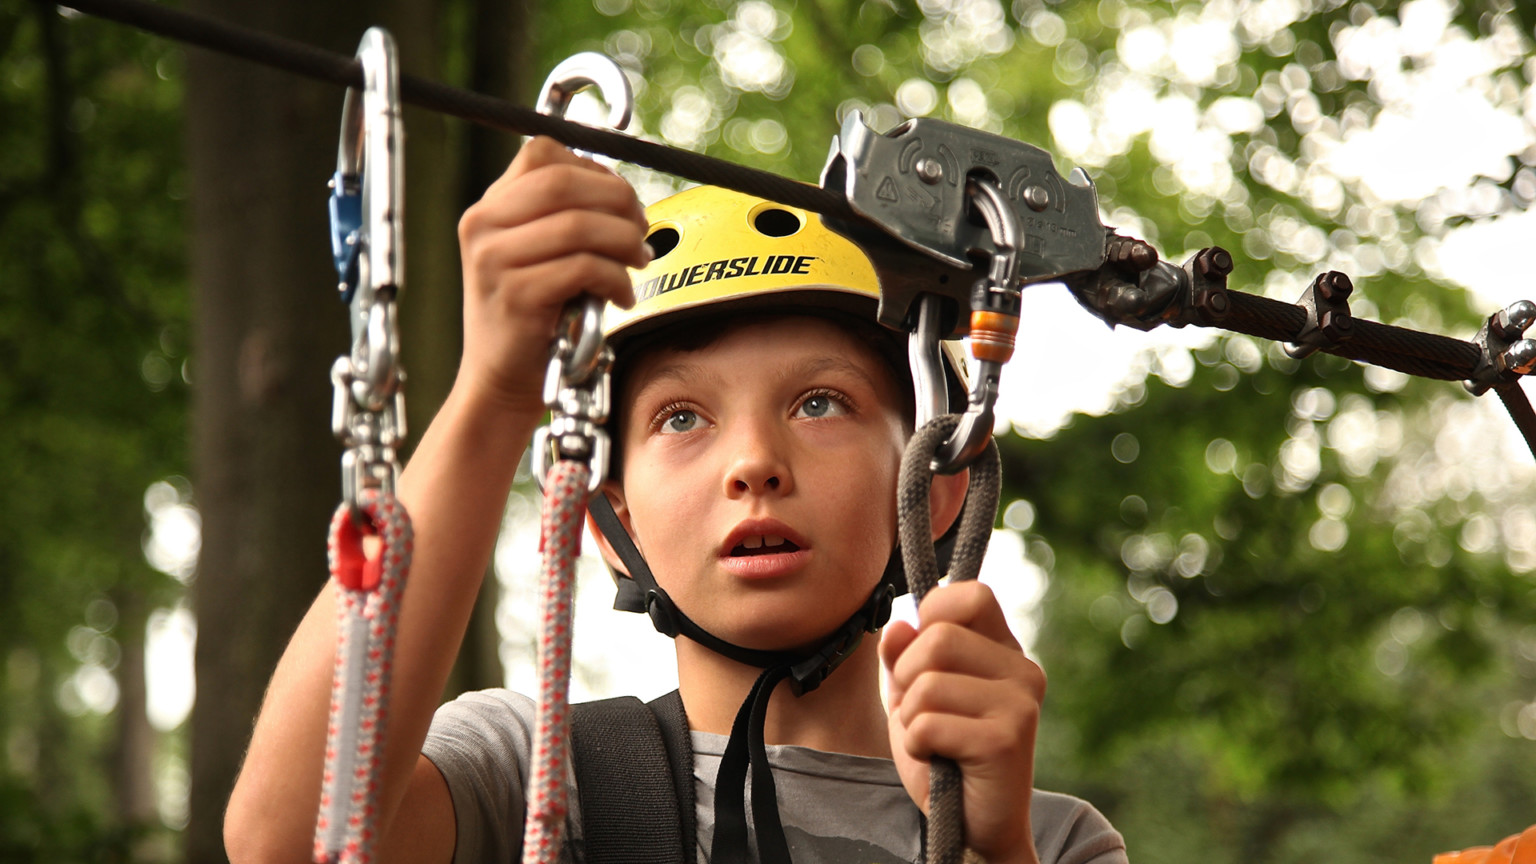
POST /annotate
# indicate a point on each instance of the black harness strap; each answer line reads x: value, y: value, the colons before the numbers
x: 634, y: 777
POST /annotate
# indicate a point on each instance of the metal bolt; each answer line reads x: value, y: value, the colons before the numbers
x: 1521, y: 357
x: 1514, y: 319
x: 1336, y: 323
x: 1037, y: 198
x: 1213, y: 260
x: 1334, y: 285
x: 929, y: 170
x: 1213, y: 302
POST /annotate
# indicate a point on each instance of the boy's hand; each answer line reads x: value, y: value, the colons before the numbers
x: 961, y: 687
x: 554, y: 226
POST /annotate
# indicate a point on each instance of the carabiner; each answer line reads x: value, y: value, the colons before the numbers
x: 367, y: 243
x: 994, y: 323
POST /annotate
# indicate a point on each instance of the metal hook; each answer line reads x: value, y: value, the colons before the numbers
x: 576, y: 383
x: 569, y: 77
x: 370, y: 178
x: 588, y: 69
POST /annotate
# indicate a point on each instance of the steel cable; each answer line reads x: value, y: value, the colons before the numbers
x: 311, y: 62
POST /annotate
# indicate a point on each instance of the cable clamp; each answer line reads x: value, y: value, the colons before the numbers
x: 1326, y: 302
x: 1506, y: 355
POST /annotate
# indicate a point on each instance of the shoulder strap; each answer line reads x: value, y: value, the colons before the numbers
x: 633, y: 768
x: 673, y: 721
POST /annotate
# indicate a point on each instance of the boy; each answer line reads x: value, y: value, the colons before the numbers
x: 758, y: 459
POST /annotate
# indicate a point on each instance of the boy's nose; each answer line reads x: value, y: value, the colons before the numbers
x: 758, y: 467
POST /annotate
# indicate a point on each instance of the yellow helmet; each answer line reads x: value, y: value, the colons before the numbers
x: 718, y: 248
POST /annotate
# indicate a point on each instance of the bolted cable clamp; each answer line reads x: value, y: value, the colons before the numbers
x: 1506, y: 354
x: 1326, y: 302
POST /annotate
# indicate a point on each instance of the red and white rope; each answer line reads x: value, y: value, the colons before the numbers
x: 565, y: 498
x: 368, y: 598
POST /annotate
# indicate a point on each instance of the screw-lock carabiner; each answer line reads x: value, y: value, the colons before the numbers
x: 367, y: 242
x: 994, y: 323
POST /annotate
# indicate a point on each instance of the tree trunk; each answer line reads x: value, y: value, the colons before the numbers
x: 133, y: 770
x: 498, y: 67
x: 260, y: 146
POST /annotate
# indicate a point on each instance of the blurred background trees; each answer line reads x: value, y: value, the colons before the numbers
x: 1286, y: 606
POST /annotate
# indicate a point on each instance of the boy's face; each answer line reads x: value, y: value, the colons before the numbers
x: 759, y: 477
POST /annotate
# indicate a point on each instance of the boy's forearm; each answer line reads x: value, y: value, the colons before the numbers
x: 455, y: 489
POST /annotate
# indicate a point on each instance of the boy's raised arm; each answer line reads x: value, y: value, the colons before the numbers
x: 554, y: 226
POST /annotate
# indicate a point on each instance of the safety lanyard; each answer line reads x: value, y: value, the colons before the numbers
x: 573, y: 453
x: 369, y: 419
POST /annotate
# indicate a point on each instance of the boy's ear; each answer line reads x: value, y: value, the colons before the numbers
x: 615, y: 496
x: 946, y: 498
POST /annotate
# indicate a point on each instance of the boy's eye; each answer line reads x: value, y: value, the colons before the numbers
x: 821, y: 405
x: 681, y: 420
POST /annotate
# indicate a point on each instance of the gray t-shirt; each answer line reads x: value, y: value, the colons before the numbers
x: 836, y: 808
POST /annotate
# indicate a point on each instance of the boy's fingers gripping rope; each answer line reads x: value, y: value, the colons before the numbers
x: 946, y: 828
x: 368, y: 590
x: 565, y: 497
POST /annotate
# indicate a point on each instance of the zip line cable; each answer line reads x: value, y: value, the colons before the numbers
x: 345, y: 71
x: 1413, y: 352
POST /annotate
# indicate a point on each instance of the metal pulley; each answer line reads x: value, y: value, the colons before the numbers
x: 915, y: 183
x: 926, y: 182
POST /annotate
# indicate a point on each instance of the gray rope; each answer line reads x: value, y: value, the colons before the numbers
x: 914, y: 520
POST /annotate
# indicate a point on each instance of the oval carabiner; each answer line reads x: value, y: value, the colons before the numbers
x: 367, y: 237
x: 367, y: 240
x: 994, y: 323
x: 571, y: 76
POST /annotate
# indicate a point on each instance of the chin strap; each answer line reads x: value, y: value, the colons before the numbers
x: 746, y: 748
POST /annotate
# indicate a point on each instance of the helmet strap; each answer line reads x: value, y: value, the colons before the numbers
x: 640, y: 593
x: 745, y: 749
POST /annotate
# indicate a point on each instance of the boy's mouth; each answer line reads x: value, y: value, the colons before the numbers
x: 763, y: 544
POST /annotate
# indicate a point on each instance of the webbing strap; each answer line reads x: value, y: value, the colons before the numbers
x: 673, y: 721
x: 634, y: 778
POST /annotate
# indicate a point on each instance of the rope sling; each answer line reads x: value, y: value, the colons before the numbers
x: 1131, y: 287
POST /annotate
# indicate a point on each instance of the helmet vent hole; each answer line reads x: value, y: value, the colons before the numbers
x: 776, y: 223
x: 662, y: 241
